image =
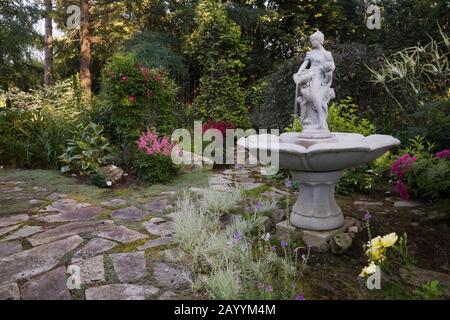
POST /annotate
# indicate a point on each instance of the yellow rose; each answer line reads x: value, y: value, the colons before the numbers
x: 375, y: 253
x: 370, y: 269
x: 389, y: 240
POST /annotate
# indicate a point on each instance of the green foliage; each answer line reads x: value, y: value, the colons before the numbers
x: 86, y: 151
x: 134, y: 98
x: 154, y: 49
x: 34, y: 130
x: 354, y: 180
x: 219, y: 51
x: 429, y: 179
x: 156, y: 168
x: 431, y: 290
x: 343, y: 117
x: 98, y: 179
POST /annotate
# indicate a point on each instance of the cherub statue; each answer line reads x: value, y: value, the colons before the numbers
x: 313, y: 87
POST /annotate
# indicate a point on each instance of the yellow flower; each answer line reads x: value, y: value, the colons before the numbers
x: 375, y: 253
x: 375, y: 242
x: 370, y: 269
x: 389, y: 240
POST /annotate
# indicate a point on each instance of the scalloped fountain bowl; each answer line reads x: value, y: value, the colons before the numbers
x: 317, y: 165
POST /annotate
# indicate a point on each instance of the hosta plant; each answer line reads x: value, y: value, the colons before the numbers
x: 87, y: 151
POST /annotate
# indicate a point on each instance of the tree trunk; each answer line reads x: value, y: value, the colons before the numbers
x: 85, y: 51
x: 5, y: 88
x: 48, y: 61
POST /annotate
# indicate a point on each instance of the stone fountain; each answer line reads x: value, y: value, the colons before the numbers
x: 317, y: 157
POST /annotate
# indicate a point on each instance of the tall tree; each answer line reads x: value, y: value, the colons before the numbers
x: 85, y: 50
x: 17, y: 39
x: 48, y: 50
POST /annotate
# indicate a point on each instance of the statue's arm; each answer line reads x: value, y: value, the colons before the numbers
x: 300, y: 70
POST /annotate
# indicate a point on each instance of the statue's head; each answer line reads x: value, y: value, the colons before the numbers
x: 317, y: 39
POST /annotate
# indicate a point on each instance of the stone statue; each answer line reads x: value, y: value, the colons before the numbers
x: 313, y: 89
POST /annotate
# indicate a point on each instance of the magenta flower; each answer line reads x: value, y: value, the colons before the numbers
x: 158, y: 77
x: 402, y: 165
x: 150, y: 93
x: 124, y: 78
x: 222, y: 126
x: 151, y: 144
x: 132, y: 99
x: 402, y: 190
x: 444, y: 154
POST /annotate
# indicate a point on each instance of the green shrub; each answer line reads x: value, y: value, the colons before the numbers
x: 32, y: 139
x: 86, y: 151
x: 155, y: 168
x: 134, y: 98
x: 429, y: 179
x: 33, y: 132
x: 355, y: 180
x: 217, y: 47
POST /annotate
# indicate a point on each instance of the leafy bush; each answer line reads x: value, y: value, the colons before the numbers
x: 33, y: 132
x: 133, y: 98
x: 32, y: 139
x: 217, y: 47
x: 153, y: 163
x: 155, y: 168
x: 87, y: 151
x: 342, y: 117
x: 358, y: 179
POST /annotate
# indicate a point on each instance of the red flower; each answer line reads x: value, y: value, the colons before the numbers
x: 124, y: 78
x: 158, y: 77
x: 145, y: 72
x: 132, y: 99
x: 150, y: 93
x: 444, y: 154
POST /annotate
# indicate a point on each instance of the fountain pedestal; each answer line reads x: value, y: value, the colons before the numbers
x: 316, y: 207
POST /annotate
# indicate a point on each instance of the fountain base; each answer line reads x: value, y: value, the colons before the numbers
x: 316, y: 207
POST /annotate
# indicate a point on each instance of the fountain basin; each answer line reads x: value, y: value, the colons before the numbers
x: 317, y: 165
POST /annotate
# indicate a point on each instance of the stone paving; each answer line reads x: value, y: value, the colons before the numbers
x: 122, y: 251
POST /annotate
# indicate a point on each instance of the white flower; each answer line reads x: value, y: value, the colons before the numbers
x: 109, y: 183
x: 370, y: 269
x: 266, y: 237
x: 389, y: 240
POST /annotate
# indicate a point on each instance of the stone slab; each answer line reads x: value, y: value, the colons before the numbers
x: 121, y: 234
x: 129, y: 214
x: 24, y: 233
x: 49, y: 286
x: 129, y: 267
x: 14, y: 219
x: 94, y: 247
x: 67, y: 230
x: 121, y: 292
x: 159, y: 227
x: 91, y: 269
x: 165, y: 241
x: 81, y: 214
x: 10, y: 292
x: 30, y: 263
x: 9, y: 248
x: 416, y: 277
x: 171, y: 276
x: 9, y: 229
